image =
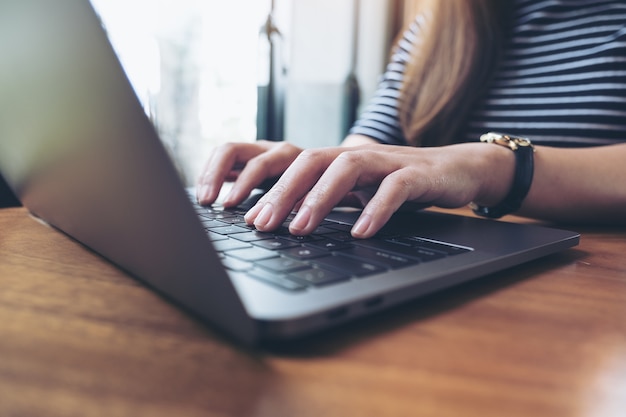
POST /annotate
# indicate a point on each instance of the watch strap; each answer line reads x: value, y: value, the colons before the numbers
x: 522, y: 178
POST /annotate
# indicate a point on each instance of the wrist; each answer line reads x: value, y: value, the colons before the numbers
x: 510, y: 182
x: 496, y: 171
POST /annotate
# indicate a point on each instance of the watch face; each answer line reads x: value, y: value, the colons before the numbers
x: 504, y: 139
x: 523, y: 177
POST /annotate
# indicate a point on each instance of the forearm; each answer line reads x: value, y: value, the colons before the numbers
x: 582, y: 185
x: 357, y: 140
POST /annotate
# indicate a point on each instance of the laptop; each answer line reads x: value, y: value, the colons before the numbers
x: 79, y: 152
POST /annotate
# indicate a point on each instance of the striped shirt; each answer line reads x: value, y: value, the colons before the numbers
x: 561, y: 81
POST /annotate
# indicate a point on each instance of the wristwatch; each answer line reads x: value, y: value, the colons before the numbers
x: 523, y: 177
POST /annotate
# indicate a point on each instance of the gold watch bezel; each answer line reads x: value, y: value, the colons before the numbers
x: 504, y: 139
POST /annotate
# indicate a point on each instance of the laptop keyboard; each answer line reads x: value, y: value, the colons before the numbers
x: 329, y: 255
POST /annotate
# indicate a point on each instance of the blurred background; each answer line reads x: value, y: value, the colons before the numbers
x: 214, y: 71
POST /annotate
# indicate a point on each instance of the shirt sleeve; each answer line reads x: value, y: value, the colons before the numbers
x: 380, y: 118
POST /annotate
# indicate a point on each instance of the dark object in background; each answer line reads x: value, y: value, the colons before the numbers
x: 7, y: 198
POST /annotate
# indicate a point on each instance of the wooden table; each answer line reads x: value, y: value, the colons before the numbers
x: 80, y: 338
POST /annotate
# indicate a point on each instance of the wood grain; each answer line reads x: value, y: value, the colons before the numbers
x: 80, y: 338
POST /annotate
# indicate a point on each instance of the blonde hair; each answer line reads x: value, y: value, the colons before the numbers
x: 450, y: 68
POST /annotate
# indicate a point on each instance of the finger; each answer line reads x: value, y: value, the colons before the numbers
x: 349, y: 169
x: 262, y: 167
x: 394, y: 190
x: 205, y: 191
x: 223, y: 164
x: 292, y: 186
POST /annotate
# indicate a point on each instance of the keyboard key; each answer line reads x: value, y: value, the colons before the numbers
x: 301, y: 239
x: 275, y: 244
x: 208, y: 224
x: 304, y: 253
x: 329, y: 245
x: 229, y: 230
x: 322, y: 230
x: 349, y: 265
x: 235, y: 264
x: 282, y: 264
x: 246, y: 226
x: 225, y: 217
x: 340, y: 227
x: 234, y: 210
x: 215, y: 236
x: 319, y: 276
x: 252, y: 254
x: 252, y: 236
x: 231, y: 219
x: 204, y: 211
x: 340, y: 236
x: 281, y: 231
x: 278, y: 280
x: 229, y: 244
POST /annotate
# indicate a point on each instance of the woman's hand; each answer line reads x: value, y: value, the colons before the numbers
x: 382, y: 177
x: 247, y: 164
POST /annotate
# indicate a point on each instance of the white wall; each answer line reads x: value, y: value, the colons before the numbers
x: 321, y: 42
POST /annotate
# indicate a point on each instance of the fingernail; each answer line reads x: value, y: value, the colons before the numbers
x: 252, y: 214
x: 301, y: 221
x: 361, y: 226
x: 264, y: 216
x: 203, y: 192
x: 230, y: 197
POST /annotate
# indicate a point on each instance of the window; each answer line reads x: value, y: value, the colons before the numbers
x: 194, y: 66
